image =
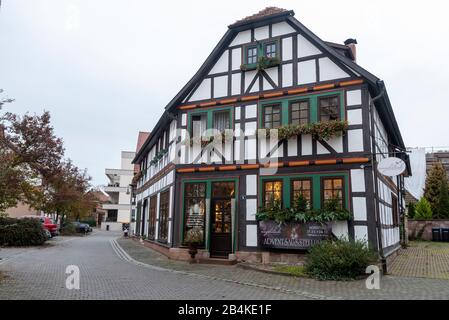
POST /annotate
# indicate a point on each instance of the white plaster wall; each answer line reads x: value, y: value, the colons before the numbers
x: 281, y: 28
x: 220, y: 86
x: 358, y: 180
x: 340, y: 229
x: 261, y: 33
x: 251, y: 235
x: 355, y: 116
x: 236, y: 83
x: 241, y: 38
x: 330, y: 71
x: 287, y: 75
x: 222, y: 64
x: 305, y: 48
x: 354, y: 97
x: 355, y: 140
x: 236, y: 58
x: 251, y: 185
x: 293, y: 147
x: 273, y: 74
x: 306, y: 72
x: 359, y: 208
x: 361, y: 233
x: 251, y: 209
x: 251, y: 111
x: 203, y: 91
x: 249, y: 76
x: 287, y: 48
x: 306, y: 144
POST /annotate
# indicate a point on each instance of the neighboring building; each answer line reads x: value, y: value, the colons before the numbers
x: 141, y: 138
x: 98, y: 213
x: 21, y: 210
x: 438, y: 156
x: 269, y: 71
x: 118, y: 210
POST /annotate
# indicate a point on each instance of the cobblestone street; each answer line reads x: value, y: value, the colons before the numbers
x: 124, y: 269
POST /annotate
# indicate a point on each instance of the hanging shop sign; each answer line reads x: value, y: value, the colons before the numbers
x: 391, y: 167
x: 299, y: 236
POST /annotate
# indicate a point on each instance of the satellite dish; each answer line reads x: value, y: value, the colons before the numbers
x: 391, y: 167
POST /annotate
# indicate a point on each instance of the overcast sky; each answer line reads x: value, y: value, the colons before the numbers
x: 106, y: 69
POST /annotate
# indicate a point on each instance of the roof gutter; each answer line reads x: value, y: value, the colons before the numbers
x: 383, y: 260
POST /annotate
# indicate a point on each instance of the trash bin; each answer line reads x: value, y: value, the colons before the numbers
x: 445, y: 234
x: 107, y: 227
x: 436, y: 234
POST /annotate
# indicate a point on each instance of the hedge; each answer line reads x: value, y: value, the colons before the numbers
x: 21, y: 232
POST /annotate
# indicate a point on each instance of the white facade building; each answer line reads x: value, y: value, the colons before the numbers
x: 118, y: 211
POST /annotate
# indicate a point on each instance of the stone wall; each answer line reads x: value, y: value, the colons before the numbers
x: 415, y: 227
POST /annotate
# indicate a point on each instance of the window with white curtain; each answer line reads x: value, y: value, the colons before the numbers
x: 199, y: 124
x: 221, y: 120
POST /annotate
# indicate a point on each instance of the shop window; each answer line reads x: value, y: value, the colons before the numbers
x: 272, y: 193
x: 194, y: 206
x: 333, y: 192
x: 163, y: 216
x: 152, y: 217
x: 395, y: 211
x: 301, y: 189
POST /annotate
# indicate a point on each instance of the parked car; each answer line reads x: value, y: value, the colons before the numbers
x: 82, y: 227
x: 47, y: 223
x: 47, y: 233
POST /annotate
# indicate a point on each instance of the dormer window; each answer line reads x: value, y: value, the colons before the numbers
x: 270, y: 50
x: 251, y: 55
x: 260, y: 55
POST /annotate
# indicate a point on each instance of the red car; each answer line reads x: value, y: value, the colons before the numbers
x: 47, y: 223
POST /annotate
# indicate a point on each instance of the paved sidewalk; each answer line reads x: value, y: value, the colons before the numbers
x: 392, y: 287
x: 423, y: 259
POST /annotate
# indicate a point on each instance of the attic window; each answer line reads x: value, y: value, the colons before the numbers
x: 270, y: 50
x: 251, y: 55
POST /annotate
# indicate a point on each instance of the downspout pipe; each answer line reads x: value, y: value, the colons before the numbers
x: 381, y: 86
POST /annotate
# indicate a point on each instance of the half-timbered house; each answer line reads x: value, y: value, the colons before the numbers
x: 270, y: 72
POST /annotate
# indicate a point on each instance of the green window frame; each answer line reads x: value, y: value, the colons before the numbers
x: 269, y: 188
x: 271, y: 49
x: 208, y: 197
x: 270, y: 110
x: 296, y: 116
x: 333, y: 187
x: 302, y: 186
x: 261, y: 49
x: 313, y: 106
x: 316, y: 179
x: 210, y: 117
x: 332, y: 114
x: 252, y: 55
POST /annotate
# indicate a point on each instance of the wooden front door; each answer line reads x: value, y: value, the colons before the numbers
x: 221, y: 219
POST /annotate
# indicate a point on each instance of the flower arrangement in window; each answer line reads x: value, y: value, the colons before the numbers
x: 159, y: 155
x: 215, y: 139
x: 262, y: 63
x: 299, y: 212
x: 319, y: 130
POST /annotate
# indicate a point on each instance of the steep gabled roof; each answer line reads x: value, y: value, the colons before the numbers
x: 267, y: 12
x: 273, y: 15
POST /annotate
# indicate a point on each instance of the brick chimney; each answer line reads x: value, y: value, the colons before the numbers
x: 351, y: 43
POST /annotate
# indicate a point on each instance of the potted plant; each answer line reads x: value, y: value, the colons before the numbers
x: 194, y: 238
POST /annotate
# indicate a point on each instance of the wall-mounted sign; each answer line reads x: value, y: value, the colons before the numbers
x: 391, y: 167
x: 297, y: 236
